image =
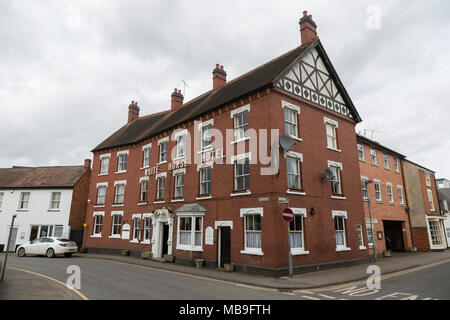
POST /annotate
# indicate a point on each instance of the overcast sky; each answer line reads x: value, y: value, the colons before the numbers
x: 69, y: 69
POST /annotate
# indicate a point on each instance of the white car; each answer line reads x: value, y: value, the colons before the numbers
x: 48, y: 246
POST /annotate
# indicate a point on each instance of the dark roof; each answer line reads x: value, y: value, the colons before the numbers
x: 378, y: 145
x: 40, y: 177
x: 259, y: 78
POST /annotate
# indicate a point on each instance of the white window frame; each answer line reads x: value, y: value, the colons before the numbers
x: 373, y: 157
x: 296, y: 111
x: 333, y: 138
x: 159, y: 178
x: 176, y: 175
x: 252, y: 212
x: 338, y: 166
x: 302, y: 214
x: 104, y: 158
x: 201, y: 127
x: 53, y: 201
x: 234, y: 115
x: 397, y: 164
x: 96, y: 224
x: 120, y: 155
x: 360, y: 230
x: 361, y: 154
x: 200, y: 169
x: 113, y: 216
x: 386, y: 161
x: 143, y: 191
x: 146, y: 154
x: 101, y: 185
x: 22, y: 200
x: 401, y: 195
x: 432, y: 232
x: 427, y: 179
x: 390, y: 192
x: 147, y: 218
x: 193, y: 247
x: 341, y: 215
x: 365, y: 188
x: 244, y: 175
x: 117, y: 184
x: 161, y: 151
x: 136, y: 218
x: 431, y: 200
x: 378, y: 183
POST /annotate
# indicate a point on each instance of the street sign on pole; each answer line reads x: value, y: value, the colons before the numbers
x: 288, y: 215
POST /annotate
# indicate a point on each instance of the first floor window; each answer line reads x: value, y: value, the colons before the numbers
x: 190, y: 231
x: 179, y: 185
x: 370, y: 237
x: 101, y: 195
x: 147, y: 226
x: 291, y: 122
x: 104, y: 165
x: 365, y: 190
x: 98, y: 222
x: 336, y: 185
x: 122, y: 162
x: 400, y: 195
x: 116, y: 224
x: 205, y: 181
x: 240, y: 125
x: 396, y: 164
x: 181, y: 146
x: 144, y: 191
x: 24, y: 200
x: 386, y: 161
x: 373, y: 156
x: 339, y: 227
x: 361, y: 152
x: 55, y: 200
x: 390, y: 193
x: 206, y: 136
x: 146, y: 157
x: 427, y: 179
x: 430, y: 199
x: 331, y: 136
x: 137, y: 228
x: 163, y: 152
x: 378, y: 191
x: 252, y: 231
x: 120, y: 194
x: 160, y: 187
x: 242, y: 174
x: 293, y: 173
x: 296, y: 232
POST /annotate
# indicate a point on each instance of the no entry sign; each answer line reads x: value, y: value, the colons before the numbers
x: 288, y: 215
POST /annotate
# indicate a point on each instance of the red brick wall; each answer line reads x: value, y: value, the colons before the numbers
x: 385, y: 210
x: 79, y: 201
x: 421, y: 239
x: 319, y: 228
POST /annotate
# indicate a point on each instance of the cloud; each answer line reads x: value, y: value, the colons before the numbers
x: 69, y: 69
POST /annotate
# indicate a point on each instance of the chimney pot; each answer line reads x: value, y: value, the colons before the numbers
x: 219, y: 77
x: 87, y: 163
x: 133, y: 111
x: 308, y: 28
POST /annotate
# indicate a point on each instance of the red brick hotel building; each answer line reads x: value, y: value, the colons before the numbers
x: 208, y: 180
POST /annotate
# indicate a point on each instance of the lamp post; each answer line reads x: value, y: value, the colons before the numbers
x: 2, y: 275
x: 371, y: 222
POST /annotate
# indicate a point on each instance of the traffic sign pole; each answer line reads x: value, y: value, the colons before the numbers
x: 288, y: 216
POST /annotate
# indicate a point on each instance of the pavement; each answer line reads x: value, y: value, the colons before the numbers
x: 25, y: 285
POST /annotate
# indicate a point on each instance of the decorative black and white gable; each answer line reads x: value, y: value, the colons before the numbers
x: 312, y: 79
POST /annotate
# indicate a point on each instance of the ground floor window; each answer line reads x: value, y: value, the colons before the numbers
x: 190, y: 233
x: 98, y: 222
x: 436, y: 233
x: 360, y: 231
x: 252, y: 231
x: 136, y: 229
x: 370, y: 236
x: 116, y: 224
x: 296, y: 238
x: 147, y: 225
x: 40, y: 231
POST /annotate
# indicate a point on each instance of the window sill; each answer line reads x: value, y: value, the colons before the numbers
x: 177, y: 200
x: 204, y: 198
x: 298, y: 252
x: 339, y: 197
x: 121, y: 172
x: 99, y: 206
x: 142, y: 203
x: 117, y: 205
x: 333, y: 149
x: 103, y: 174
x: 375, y: 164
x: 363, y: 160
x: 183, y: 157
x: 298, y: 193
x: 343, y: 249
x: 22, y: 210
x: 209, y: 149
x: 115, y: 237
x: 189, y: 248
x: 241, y: 194
x: 160, y: 163
x: 240, y: 140
x: 362, y: 248
x: 252, y: 252
x: 134, y: 241
x: 97, y: 236
x: 159, y: 202
x: 296, y: 138
x: 379, y: 202
x: 146, y: 242
x: 53, y: 210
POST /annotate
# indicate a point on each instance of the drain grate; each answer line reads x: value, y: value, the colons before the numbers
x: 285, y: 290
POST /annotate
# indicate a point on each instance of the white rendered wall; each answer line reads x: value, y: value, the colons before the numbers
x: 38, y: 212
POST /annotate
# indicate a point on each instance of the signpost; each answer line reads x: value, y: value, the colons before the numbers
x: 288, y: 216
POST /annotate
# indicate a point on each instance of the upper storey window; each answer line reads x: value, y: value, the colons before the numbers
x: 240, y: 119
x: 291, y: 116
x: 163, y: 144
x: 206, y: 134
x: 122, y: 158
x: 104, y: 164
x: 146, y: 156
x: 331, y: 129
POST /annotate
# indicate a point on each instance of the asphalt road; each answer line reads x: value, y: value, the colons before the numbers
x: 109, y: 280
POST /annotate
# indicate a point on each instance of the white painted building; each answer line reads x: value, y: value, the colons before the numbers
x: 48, y: 201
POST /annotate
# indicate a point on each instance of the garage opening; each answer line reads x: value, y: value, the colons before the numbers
x: 393, y: 235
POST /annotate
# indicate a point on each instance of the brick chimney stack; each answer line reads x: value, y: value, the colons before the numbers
x: 177, y: 100
x: 219, y: 77
x: 308, y: 28
x: 87, y: 163
x: 133, y: 111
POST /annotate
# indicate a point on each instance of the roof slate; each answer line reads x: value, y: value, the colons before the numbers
x: 40, y: 177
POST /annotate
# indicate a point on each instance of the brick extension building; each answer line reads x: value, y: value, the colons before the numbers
x: 167, y: 183
x: 388, y: 203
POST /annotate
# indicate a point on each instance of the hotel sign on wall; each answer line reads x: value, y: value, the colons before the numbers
x: 206, y: 156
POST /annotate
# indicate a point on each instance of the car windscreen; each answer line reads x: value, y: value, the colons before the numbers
x: 64, y: 240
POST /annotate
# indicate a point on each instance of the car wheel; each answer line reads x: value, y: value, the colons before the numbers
x: 50, y: 253
x: 67, y: 255
x: 21, y: 252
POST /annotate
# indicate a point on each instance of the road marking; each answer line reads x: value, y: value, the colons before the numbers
x: 325, y: 296
x: 311, y: 298
x: 82, y: 296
